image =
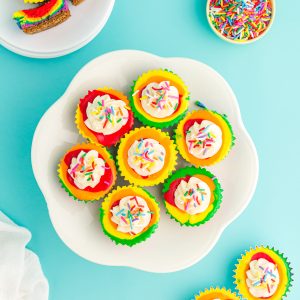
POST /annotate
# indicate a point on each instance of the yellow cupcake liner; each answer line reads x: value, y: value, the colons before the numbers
x: 83, y: 130
x: 216, y: 293
x: 158, y: 76
x: 283, y: 267
x: 76, y: 193
x: 227, y: 133
x: 110, y: 228
x: 170, y: 158
x: 34, y: 1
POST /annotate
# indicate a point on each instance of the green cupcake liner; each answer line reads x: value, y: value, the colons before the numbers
x: 139, y: 238
x: 193, y: 171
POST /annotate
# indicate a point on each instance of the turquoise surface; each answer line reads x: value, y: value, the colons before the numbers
x: 265, y: 78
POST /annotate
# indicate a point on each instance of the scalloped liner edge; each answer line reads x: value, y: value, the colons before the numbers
x: 233, y: 138
x: 217, y: 289
x: 155, y: 182
x: 141, y: 237
x: 143, y: 119
x: 217, y: 193
x: 281, y: 256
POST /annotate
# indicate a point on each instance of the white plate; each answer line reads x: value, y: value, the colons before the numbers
x: 172, y: 247
x: 86, y: 21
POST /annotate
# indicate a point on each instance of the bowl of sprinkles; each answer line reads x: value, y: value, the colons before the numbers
x: 240, y: 21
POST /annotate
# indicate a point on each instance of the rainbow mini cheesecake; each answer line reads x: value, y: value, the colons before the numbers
x: 87, y: 172
x: 146, y: 156
x: 103, y: 116
x: 129, y: 215
x: 43, y: 17
x: 263, y: 273
x: 216, y: 294
x: 204, y: 137
x: 192, y: 196
x: 159, y: 98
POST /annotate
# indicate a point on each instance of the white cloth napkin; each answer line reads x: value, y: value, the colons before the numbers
x: 21, y: 276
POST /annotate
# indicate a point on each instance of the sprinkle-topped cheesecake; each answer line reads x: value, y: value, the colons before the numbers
x: 159, y: 98
x: 87, y: 172
x: 263, y: 273
x: 103, y: 116
x: 192, y: 196
x: 129, y: 215
x: 204, y: 137
x: 146, y: 156
x: 43, y: 17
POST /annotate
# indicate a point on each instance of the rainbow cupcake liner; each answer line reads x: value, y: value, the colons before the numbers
x: 140, y: 133
x: 216, y: 293
x: 109, y: 228
x: 109, y: 140
x: 283, y: 266
x: 218, y: 119
x: 82, y: 195
x: 154, y: 76
x: 183, y: 218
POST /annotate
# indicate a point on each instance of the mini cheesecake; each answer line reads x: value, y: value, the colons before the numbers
x: 87, y: 172
x: 204, y: 137
x: 129, y: 215
x: 159, y: 98
x: 103, y: 116
x: 192, y: 196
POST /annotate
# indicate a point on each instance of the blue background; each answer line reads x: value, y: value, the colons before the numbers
x: 265, y: 78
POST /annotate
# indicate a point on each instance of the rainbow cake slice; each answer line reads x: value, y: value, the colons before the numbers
x: 43, y: 17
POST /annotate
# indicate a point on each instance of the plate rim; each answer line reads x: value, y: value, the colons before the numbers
x: 46, y: 55
x: 221, y: 228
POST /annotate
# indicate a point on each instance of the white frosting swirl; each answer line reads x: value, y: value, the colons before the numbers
x: 262, y: 278
x: 131, y: 215
x: 87, y: 169
x: 160, y: 100
x: 193, y: 196
x: 106, y: 115
x: 204, y: 140
x: 146, y: 157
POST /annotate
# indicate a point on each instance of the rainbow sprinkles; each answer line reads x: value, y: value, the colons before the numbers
x: 240, y: 20
x: 45, y: 16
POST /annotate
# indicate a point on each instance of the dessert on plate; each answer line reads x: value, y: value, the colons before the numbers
x: 103, y: 116
x: 263, y: 273
x: 129, y: 215
x: 42, y: 17
x: 146, y: 156
x: 216, y: 294
x: 87, y: 172
x: 159, y: 98
x: 192, y: 196
x: 204, y: 137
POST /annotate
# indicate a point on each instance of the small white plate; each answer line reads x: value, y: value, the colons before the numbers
x: 86, y: 21
x: 172, y: 247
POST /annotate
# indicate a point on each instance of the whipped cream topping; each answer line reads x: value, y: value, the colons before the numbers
x: 106, y: 115
x: 87, y: 169
x: 160, y: 100
x: 204, y: 140
x: 146, y: 157
x: 262, y: 278
x: 193, y: 196
x: 132, y: 215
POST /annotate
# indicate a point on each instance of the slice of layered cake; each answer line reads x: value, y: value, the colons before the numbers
x: 43, y: 17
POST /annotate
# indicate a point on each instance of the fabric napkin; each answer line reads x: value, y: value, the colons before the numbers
x: 21, y: 275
